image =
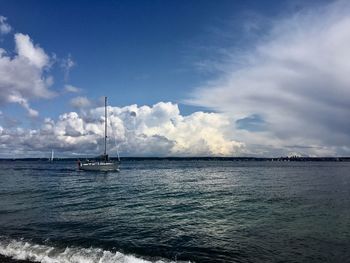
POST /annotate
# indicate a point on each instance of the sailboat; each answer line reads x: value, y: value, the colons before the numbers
x: 51, y: 159
x: 101, y: 163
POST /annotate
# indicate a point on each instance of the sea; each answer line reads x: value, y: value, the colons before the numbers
x: 175, y: 211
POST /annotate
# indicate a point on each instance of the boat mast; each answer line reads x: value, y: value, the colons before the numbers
x: 105, y: 154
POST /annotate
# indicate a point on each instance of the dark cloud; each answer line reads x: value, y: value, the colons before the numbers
x: 297, y: 77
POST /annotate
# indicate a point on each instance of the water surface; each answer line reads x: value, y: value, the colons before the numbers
x: 195, y: 210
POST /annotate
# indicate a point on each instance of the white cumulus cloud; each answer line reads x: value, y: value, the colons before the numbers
x: 158, y: 130
x: 34, y: 54
x: 23, y: 76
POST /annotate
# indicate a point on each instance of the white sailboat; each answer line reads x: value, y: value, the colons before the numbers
x: 51, y: 159
x: 102, y: 163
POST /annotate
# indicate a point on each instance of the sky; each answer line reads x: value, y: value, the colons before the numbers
x: 183, y: 78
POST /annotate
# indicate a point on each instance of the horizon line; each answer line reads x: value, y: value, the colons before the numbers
x: 340, y: 158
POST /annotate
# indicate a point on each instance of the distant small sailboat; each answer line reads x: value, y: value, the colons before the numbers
x: 51, y: 158
x: 101, y: 163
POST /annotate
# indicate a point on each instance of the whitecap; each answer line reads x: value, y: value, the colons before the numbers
x: 20, y: 249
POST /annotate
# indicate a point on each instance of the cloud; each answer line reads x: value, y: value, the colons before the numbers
x: 159, y: 130
x: 34, y: 55
x: 5, y: 28
x: 67, y: 64
x: 296, y: 79
x: 80, y: 102
x: 24, y: 103
x: 72, y: 89
x: 23, y: 76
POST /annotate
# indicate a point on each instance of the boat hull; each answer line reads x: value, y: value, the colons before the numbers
x: 99, y: 166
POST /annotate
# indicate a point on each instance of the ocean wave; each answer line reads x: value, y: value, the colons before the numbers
x: 23, y: 250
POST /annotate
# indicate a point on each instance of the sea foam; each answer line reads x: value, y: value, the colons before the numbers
x: 19, y: 249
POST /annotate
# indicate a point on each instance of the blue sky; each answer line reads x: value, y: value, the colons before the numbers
x: 201, y: 56
x: 134, y: 51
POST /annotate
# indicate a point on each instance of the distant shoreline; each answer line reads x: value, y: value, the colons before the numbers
x: 257, y: 159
